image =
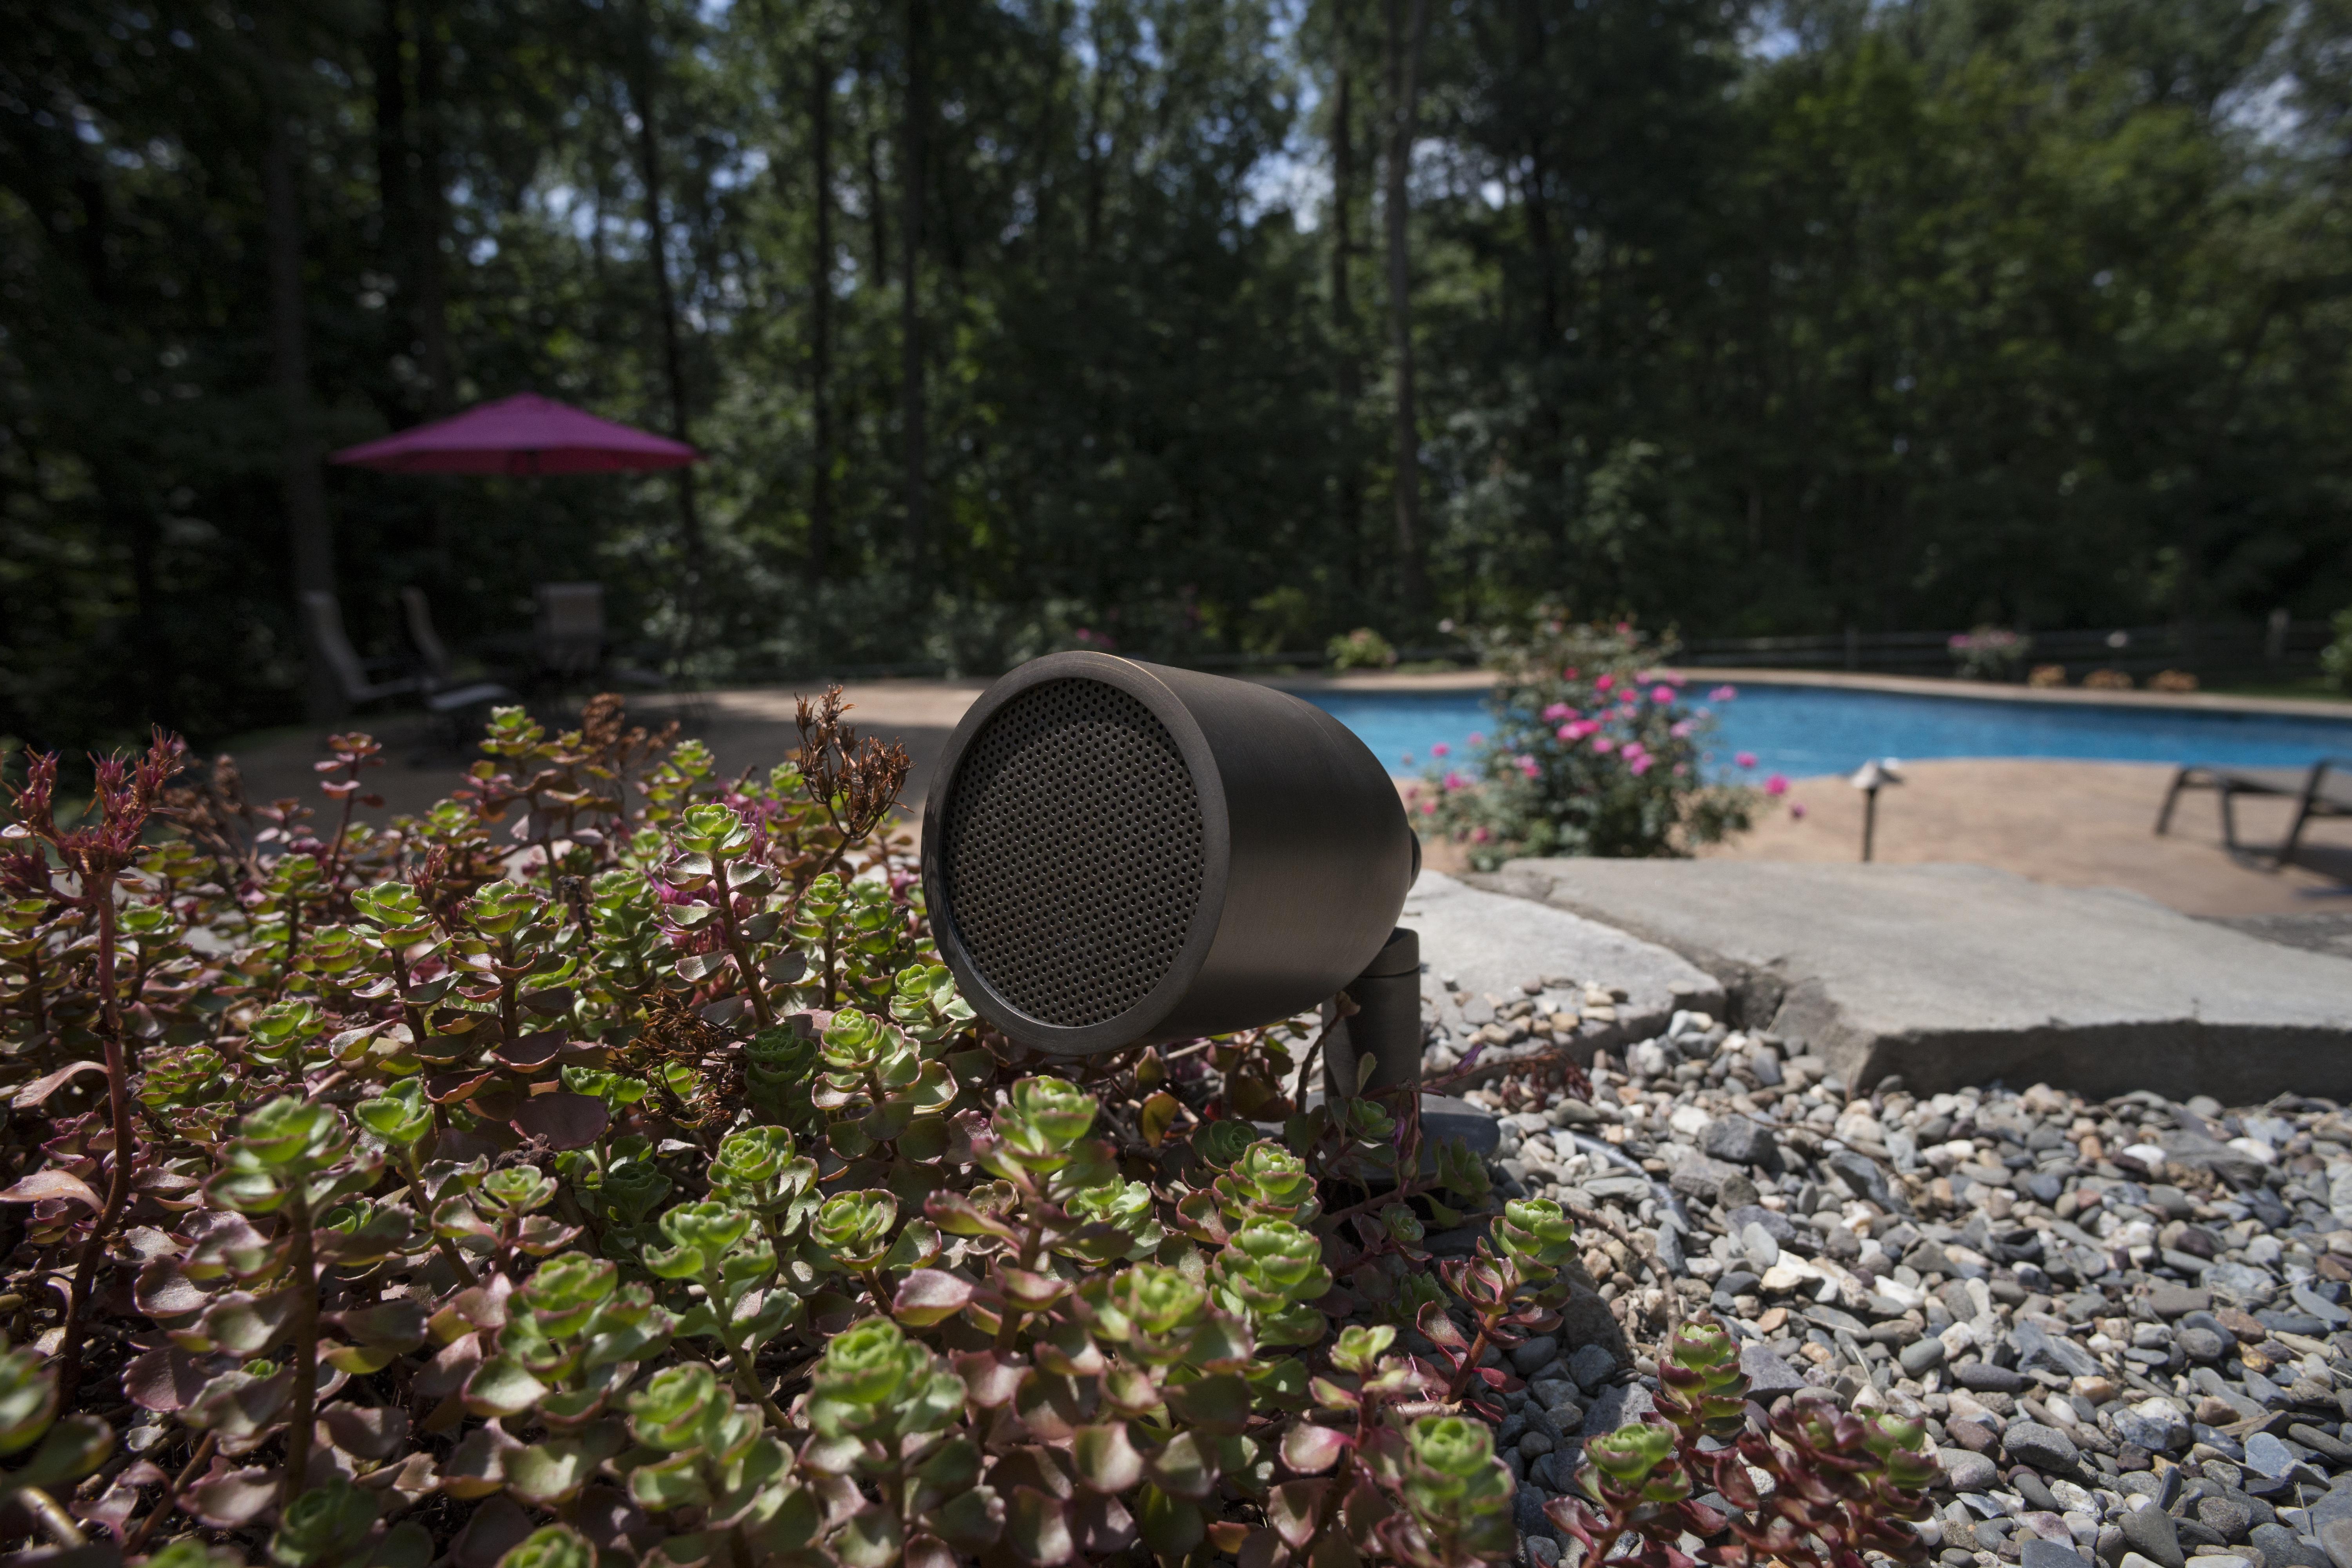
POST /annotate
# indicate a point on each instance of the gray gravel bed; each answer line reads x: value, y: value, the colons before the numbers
x: 2125, y: 1322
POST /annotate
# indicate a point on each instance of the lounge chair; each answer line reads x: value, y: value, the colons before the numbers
x: 571, y: 639
x: 2322, y: 790
x: 444, y: 701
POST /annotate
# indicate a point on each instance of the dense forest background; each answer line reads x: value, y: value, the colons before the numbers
x: 1196, y: 324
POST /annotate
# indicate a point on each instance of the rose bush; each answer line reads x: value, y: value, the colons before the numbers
x: 1594, y: 749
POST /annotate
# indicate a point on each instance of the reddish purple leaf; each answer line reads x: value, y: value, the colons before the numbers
x: 1037, y: 1528
x: 164, y: 1380
x: 529, y: 1053
x: 565, y: 1119
x: 1105, y: 1461
x: 166, y: 1291
x: 376, y: 1432
x: 33, y: 1095
x: 238, y: 1498
x: 43, y: 1185
x: 454, y: 1088
x: 925, y: 1296
x: 498, y: 1525
x: 988, y: 1381
x: 1310, y: 1449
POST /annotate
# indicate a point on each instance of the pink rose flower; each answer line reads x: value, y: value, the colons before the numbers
x: 1604, y: 745
x: 1479, y: 836
x: 1428, y: 808
x: 1682, y: 770
x: 1569, y: 733
x: 1777, y: 784
x: 1745, y: 759
x: 1641, y: 765
x: 1455, y: 781
x: 1441, y: 750
x: 1662, y: 694
x: 1558, y: 710
x: 1604, y: 683
x: 1723, y: 694
x: 1477, y: 738
x: 1681, y: 730
x: 1528, y: 766
x: 1568, y: 674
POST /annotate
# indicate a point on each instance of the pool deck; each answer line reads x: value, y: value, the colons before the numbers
x: 1455, y: 680
x: 2073, y: 824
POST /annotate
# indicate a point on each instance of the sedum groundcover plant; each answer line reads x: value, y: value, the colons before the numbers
x: 600, y: 1169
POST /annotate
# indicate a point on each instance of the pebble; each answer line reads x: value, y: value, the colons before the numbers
x: 1590, y: 1366
x: 2282, y: 1548
x: 1922, y: 1356
x: 1740, y: 1141
x: 2040, y: 1553
x: 1967, y: 1472
x: 2150, y: 1532
x: 2268, y: 1455
x: 2225, y: 1515
x: 1983, y: 1377
x: 2046, y: 1448
x: 1535, y: 1354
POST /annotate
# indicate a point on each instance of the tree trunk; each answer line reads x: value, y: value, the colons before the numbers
x: 649, y: 172
x: 396, y: 198
x: 820, y: 538
x: 1408, y: 33
x: 877, y: 222
x: 431, y: 221
x: 1534, y: 84
x: 1347, y: 376
x: 911, y: 316
x: 310, y: 546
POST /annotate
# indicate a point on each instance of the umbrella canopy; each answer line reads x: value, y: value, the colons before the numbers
x: 525, y: 434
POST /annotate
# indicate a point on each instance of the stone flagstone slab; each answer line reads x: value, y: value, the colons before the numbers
x: 1491, y: 944
x: 1959, y: 975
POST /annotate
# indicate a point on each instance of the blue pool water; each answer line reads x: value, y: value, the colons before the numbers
x: 1808, y: 730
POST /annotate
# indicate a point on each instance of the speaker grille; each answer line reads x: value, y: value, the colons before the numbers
x: 1072, y: 861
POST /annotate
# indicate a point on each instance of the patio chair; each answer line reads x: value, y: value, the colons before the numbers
x: 2325, y: 789
x: 445, y: 702
x: 438, y: 672
x: 571, y: 637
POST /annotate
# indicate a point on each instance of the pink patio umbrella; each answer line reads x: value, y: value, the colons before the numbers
x: 525, y: 434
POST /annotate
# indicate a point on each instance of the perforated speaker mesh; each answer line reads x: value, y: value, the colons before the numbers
x: 1072, y: 860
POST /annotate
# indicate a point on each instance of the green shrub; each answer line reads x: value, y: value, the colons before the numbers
x: 2336, y: 659
x: 1594, y: 750
x: 1362, y: 648
x: 1989, y: 653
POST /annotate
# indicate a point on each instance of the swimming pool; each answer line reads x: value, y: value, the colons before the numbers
x: 1809, y: 730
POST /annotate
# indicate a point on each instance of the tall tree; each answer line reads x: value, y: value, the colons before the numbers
x: 1408, y: 38
x: 646, y: 95
x: 1347, y: 373
x: 820, y: 526
x: 915, y: 128
x: 429, y: 224
x: 310, y: 544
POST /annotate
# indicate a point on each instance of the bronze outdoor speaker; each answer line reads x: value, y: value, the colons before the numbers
x: 1119, y: 853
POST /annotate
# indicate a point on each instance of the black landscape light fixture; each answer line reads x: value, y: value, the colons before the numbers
x: 1870, y: 778
x: 1119, y: 854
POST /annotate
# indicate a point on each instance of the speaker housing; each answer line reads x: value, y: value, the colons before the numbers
x: 1118, y: 853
